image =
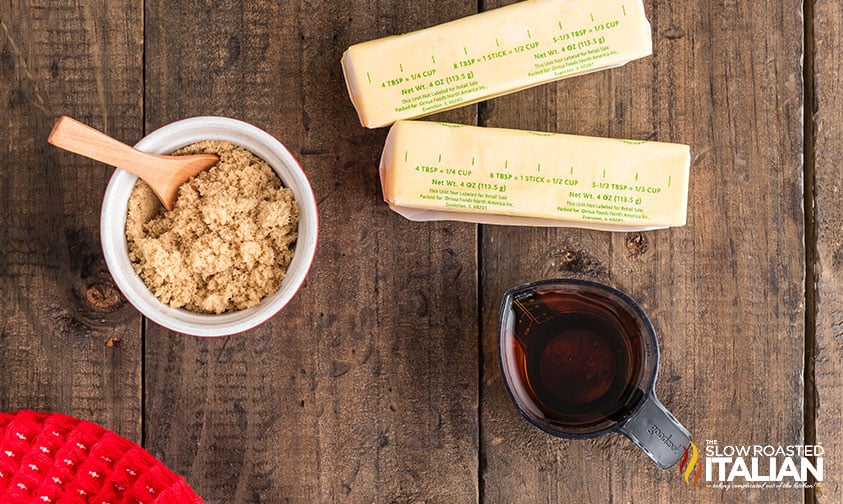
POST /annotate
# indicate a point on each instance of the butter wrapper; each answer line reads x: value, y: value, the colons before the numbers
x: 438, y: 171
x: 489, y: 54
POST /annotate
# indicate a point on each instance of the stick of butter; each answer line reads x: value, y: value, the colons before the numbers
x: 438, y: 171
x: 489, y: 54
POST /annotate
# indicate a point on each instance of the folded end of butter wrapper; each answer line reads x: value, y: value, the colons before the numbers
x: 437, y: 171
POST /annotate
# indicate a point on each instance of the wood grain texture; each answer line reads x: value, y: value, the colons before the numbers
x: 68, y: 340
x: 379, y: 382
x: 725, y: 292
x: 364, y: 388
x: 828, y: 214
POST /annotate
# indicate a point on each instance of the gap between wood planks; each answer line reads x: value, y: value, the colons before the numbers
x: 809, y: 173
x: 481, y: 455
x: 143, y: 320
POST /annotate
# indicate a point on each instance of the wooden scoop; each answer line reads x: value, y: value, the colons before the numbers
x: 164, y: 174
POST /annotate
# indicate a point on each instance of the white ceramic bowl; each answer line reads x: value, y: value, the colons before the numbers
x: 113, y: 226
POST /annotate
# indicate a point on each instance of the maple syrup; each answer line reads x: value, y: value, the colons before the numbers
x: 578, y: 360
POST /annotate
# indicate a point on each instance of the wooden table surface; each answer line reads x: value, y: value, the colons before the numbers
x: 379, y: 382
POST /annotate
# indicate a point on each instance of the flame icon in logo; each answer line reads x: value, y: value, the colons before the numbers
x: 687, y: 467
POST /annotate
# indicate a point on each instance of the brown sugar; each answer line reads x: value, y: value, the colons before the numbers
x: 228, y: 241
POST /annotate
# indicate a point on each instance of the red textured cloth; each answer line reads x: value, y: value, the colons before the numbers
x: 58, y: 459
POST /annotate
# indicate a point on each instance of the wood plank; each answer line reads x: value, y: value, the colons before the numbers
x: 68, y: 340
x: 827, y: 58
x: 725, y: 292
x: 364, y: 389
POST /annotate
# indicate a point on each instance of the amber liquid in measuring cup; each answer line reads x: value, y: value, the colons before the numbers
x: 578, y: 360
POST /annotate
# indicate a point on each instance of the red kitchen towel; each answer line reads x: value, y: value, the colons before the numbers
x: 55, y: 458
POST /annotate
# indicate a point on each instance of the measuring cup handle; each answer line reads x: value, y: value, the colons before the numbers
x: 657, y: 432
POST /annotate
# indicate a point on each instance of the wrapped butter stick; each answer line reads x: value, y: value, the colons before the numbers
x: 490, y: 54
x: 437, y: 171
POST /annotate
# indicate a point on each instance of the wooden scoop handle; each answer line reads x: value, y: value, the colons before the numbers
x: 164, y: 174
x: 74, y: 136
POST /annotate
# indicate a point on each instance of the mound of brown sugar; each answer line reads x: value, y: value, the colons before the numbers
x: 228, y: 241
